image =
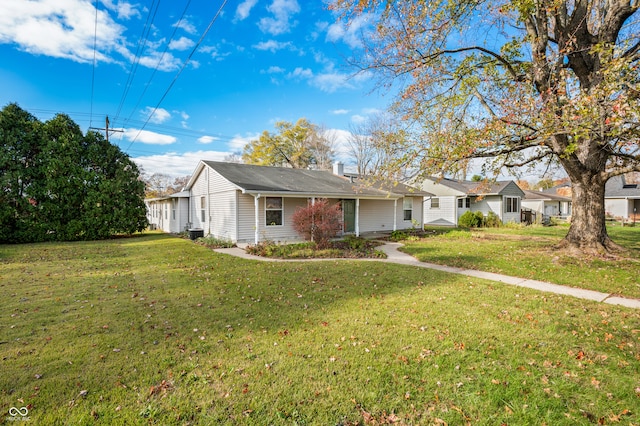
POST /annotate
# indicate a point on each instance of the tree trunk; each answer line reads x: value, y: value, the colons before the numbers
x: 588, y: 231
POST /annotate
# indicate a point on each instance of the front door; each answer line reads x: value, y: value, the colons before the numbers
x: 349, y: 215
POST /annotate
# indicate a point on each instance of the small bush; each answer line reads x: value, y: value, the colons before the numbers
x: 493, y: 220
x: 318, y: 222
x: 356, y: 243
x: 213, y: 242
x: 479, y: 219
x: 263, y: 248
x: 350, y: 247
x: 469, y: 220
x: 398, y: 236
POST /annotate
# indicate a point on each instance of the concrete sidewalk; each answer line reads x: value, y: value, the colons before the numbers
x: 396, y: 256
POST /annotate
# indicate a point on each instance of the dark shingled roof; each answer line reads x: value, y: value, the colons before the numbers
x: 252, y: 178
x: 474, y: 188
x: 537, y: 195
x: 620, y: 187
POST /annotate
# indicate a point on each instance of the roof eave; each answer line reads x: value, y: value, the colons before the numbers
x: 391, y: 196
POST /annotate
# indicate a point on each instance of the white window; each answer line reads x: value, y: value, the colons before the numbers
x: 173, y: 209
x: 435, y: 203
x: 203, y: 203
x: 407, y: 208
x: 273, y: 211
x: 511, y: 204
x: 464, y: 203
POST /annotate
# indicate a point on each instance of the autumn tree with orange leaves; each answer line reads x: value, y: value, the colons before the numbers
x: 515, y: 83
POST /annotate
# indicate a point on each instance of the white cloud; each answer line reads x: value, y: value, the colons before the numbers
x: 184, y: 117
x: 183, y: 43
x: 187, y: 26
x: 207, y: 139
x: 273, y: 70
x: 352, y: 34
x: 282, y: 10
x: 238, y: 142
x: 327, y: 82
x: 215, y: 52
x: 244, y: 9
x: 123, y: 9
x: 358, y: 119
x: 157, y: 116
x: 146, y: 137
x: 331, y: 81
x: 301, y: 73
x: 341, y: 145
x: 61, y: 29
x: 177, y: 164
x: 66, y: 29
x: 164, y: 62
x: 340, y: 111
x: 272, y: 45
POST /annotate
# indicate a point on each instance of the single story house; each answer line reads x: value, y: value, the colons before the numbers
x: 543, y: 205
x: 169, y: 213
x: 452, y: 198
x: 622, y: 196
x: 247, y: 203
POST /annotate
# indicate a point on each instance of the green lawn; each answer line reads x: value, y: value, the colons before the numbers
x: 158, y: 330
x: 529, y: 253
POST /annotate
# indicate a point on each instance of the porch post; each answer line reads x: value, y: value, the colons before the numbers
x: 256, y: 205
x: 395, y: 213
x: 357, y: 217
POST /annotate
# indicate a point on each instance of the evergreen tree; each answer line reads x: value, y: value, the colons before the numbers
x: 58, y: 184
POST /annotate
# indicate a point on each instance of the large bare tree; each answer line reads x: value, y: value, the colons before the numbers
x: 515, y: 83
x: 373, y: 143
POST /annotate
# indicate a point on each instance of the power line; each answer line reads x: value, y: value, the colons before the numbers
x: 93, y: 71
x: 175, y: 29
x: 84, y: 117
x: 215, y: 17
x: 142, y: 42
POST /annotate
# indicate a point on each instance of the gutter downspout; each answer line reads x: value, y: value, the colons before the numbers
x: 208, y: 204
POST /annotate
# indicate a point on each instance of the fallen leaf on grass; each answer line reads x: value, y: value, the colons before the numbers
x: 160, y: 389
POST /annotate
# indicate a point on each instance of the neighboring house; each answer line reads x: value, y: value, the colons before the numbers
x: 564, y: 189
x: 622, y: 196
x: 544, y: 205
x: 169, y: 213
x: 248, y: 203
x: 452, y: 198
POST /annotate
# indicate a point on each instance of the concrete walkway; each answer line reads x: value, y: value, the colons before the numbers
x: 396, y: 256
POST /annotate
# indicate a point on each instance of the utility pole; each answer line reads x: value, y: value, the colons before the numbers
x: 106, y: 128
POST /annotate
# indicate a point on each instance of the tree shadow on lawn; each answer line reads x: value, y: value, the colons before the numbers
x: 221, y: 290
x: 163, y: 308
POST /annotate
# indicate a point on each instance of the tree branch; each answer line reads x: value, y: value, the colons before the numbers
x: 517, y: 77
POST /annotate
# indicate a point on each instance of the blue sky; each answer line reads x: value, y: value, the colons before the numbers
x: 261, y: 61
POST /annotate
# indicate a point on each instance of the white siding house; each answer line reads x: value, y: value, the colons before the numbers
x: 452, y: 198
x: 544, y: 205
x: 170, y: 213
x: 622, y: 196
x: 246, y: 203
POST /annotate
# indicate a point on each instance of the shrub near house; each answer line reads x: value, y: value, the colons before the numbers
x: 319, y: 222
